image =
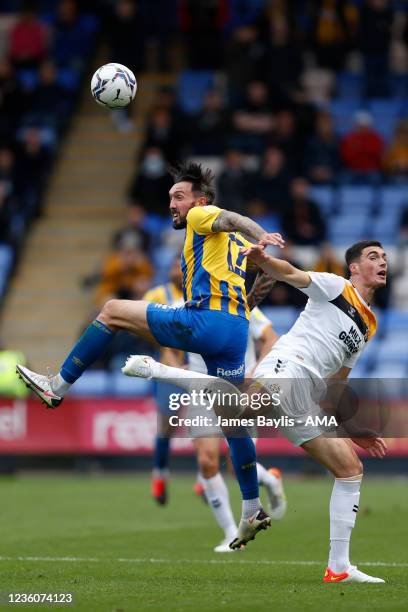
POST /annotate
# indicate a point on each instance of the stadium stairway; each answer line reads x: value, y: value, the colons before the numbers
x: 45, y: 307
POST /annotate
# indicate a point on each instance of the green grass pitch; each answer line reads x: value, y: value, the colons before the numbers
x: 103, y: 539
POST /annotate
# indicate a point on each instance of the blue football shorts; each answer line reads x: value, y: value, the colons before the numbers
x: 219, y: 337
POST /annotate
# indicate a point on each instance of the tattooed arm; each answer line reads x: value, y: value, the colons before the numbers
x: 263, y: 283
x: 228, y: 221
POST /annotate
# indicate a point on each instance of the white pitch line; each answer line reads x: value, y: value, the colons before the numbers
x: 234, y: 561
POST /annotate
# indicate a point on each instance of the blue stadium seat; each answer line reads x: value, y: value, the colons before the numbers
x: 356, y: 198
x: 343, y: 114
x: 282, y: 317
x: 396, y: 321
x: 391, y: 370
x: 349, y: 85
x: 6, y: 261
x: 271, y: 223
x: 92, y: 383
x: 323, y: 195
x: 347, y: 228
x: 384, y: 229
x: 191, y: 89
x: 385, y: 107
x: 392, y: 349
x: 128, y: 386
x: 393, y: 197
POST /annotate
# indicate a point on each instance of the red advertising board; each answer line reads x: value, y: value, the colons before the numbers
x: 105, y: 426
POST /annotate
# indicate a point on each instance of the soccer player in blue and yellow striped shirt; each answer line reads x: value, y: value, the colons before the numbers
x: 213, y: 321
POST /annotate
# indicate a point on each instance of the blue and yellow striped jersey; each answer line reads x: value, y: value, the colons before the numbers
x: 164, y: 294
x: 213, y: 267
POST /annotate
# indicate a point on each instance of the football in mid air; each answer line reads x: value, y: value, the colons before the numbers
x: 113, y: 85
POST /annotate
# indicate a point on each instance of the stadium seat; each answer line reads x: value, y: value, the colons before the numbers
x: 6, y: 261
x: 271, y: 223
x: 324, y: 198
x: 125, y: 386
x: 191, y: 89
x: 393, y: 197
x: 343, y: 114
x: 347, y: 228
x: 92, y: 383
x: 396, y: 321
x: 282, y: 317
x: 349, y: 85
x: 356, y: 198
x: 392, y: 349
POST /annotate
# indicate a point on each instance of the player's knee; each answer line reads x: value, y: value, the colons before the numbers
x: 208, y: 463
x: 349, y: 468
x: 108, y: 313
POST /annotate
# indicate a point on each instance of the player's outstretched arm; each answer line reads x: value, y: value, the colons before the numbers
x: 228, y: 221
x: 279, y: 269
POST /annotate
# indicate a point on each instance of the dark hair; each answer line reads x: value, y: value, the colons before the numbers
x: 201, y: 180
x: 353, y: 253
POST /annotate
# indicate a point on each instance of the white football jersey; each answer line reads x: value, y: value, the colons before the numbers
x: 332, y: 330
x: 258, y: 322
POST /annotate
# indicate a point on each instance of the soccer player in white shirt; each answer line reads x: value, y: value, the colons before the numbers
x: 324, y: 343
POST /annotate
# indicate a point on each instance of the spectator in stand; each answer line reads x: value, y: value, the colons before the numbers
x: 335, y: 30
x: 13, y: 100
x: 396, y: 155
x: 161, y: 132
x: 28, y: 40
x: 302, y: 222
x: 7, y: 170
x: 322, y: 159
x: 133, y: 227
x: 328, y: 261
x: 270, y: 184
x: 244, y: 56
x: 376, y: 20
x: 211, y: 126
x: 203, y: 22
x: 32, y: 165
x: 70, y: 40
x: 48, y: 101
x: 285, y: 136
x: 150, y: 187
x: 253, y: 122
x: 362, y: 150
x: 126, y: 35
x: 121, y: 269
x: 282, y: 62
x: 233, y: 183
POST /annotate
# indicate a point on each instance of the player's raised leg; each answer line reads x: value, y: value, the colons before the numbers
x: 115, y: 315
x: 338, y: 456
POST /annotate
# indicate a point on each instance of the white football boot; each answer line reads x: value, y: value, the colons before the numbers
x: 40, y: 385
x: 140, y: 366
x: 277, y: 502
x: 351, y: 575
x: 248, y: 528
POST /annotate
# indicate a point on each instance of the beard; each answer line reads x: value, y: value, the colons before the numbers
x: 179, y: 225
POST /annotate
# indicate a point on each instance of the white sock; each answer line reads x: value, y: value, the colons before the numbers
x: 162, y: 473
x: 267, y: 479
x: 250, y: 506
x: 226, y: 394
x: 59, y: 385
x: 343, y: 511
x: 217, y: 496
